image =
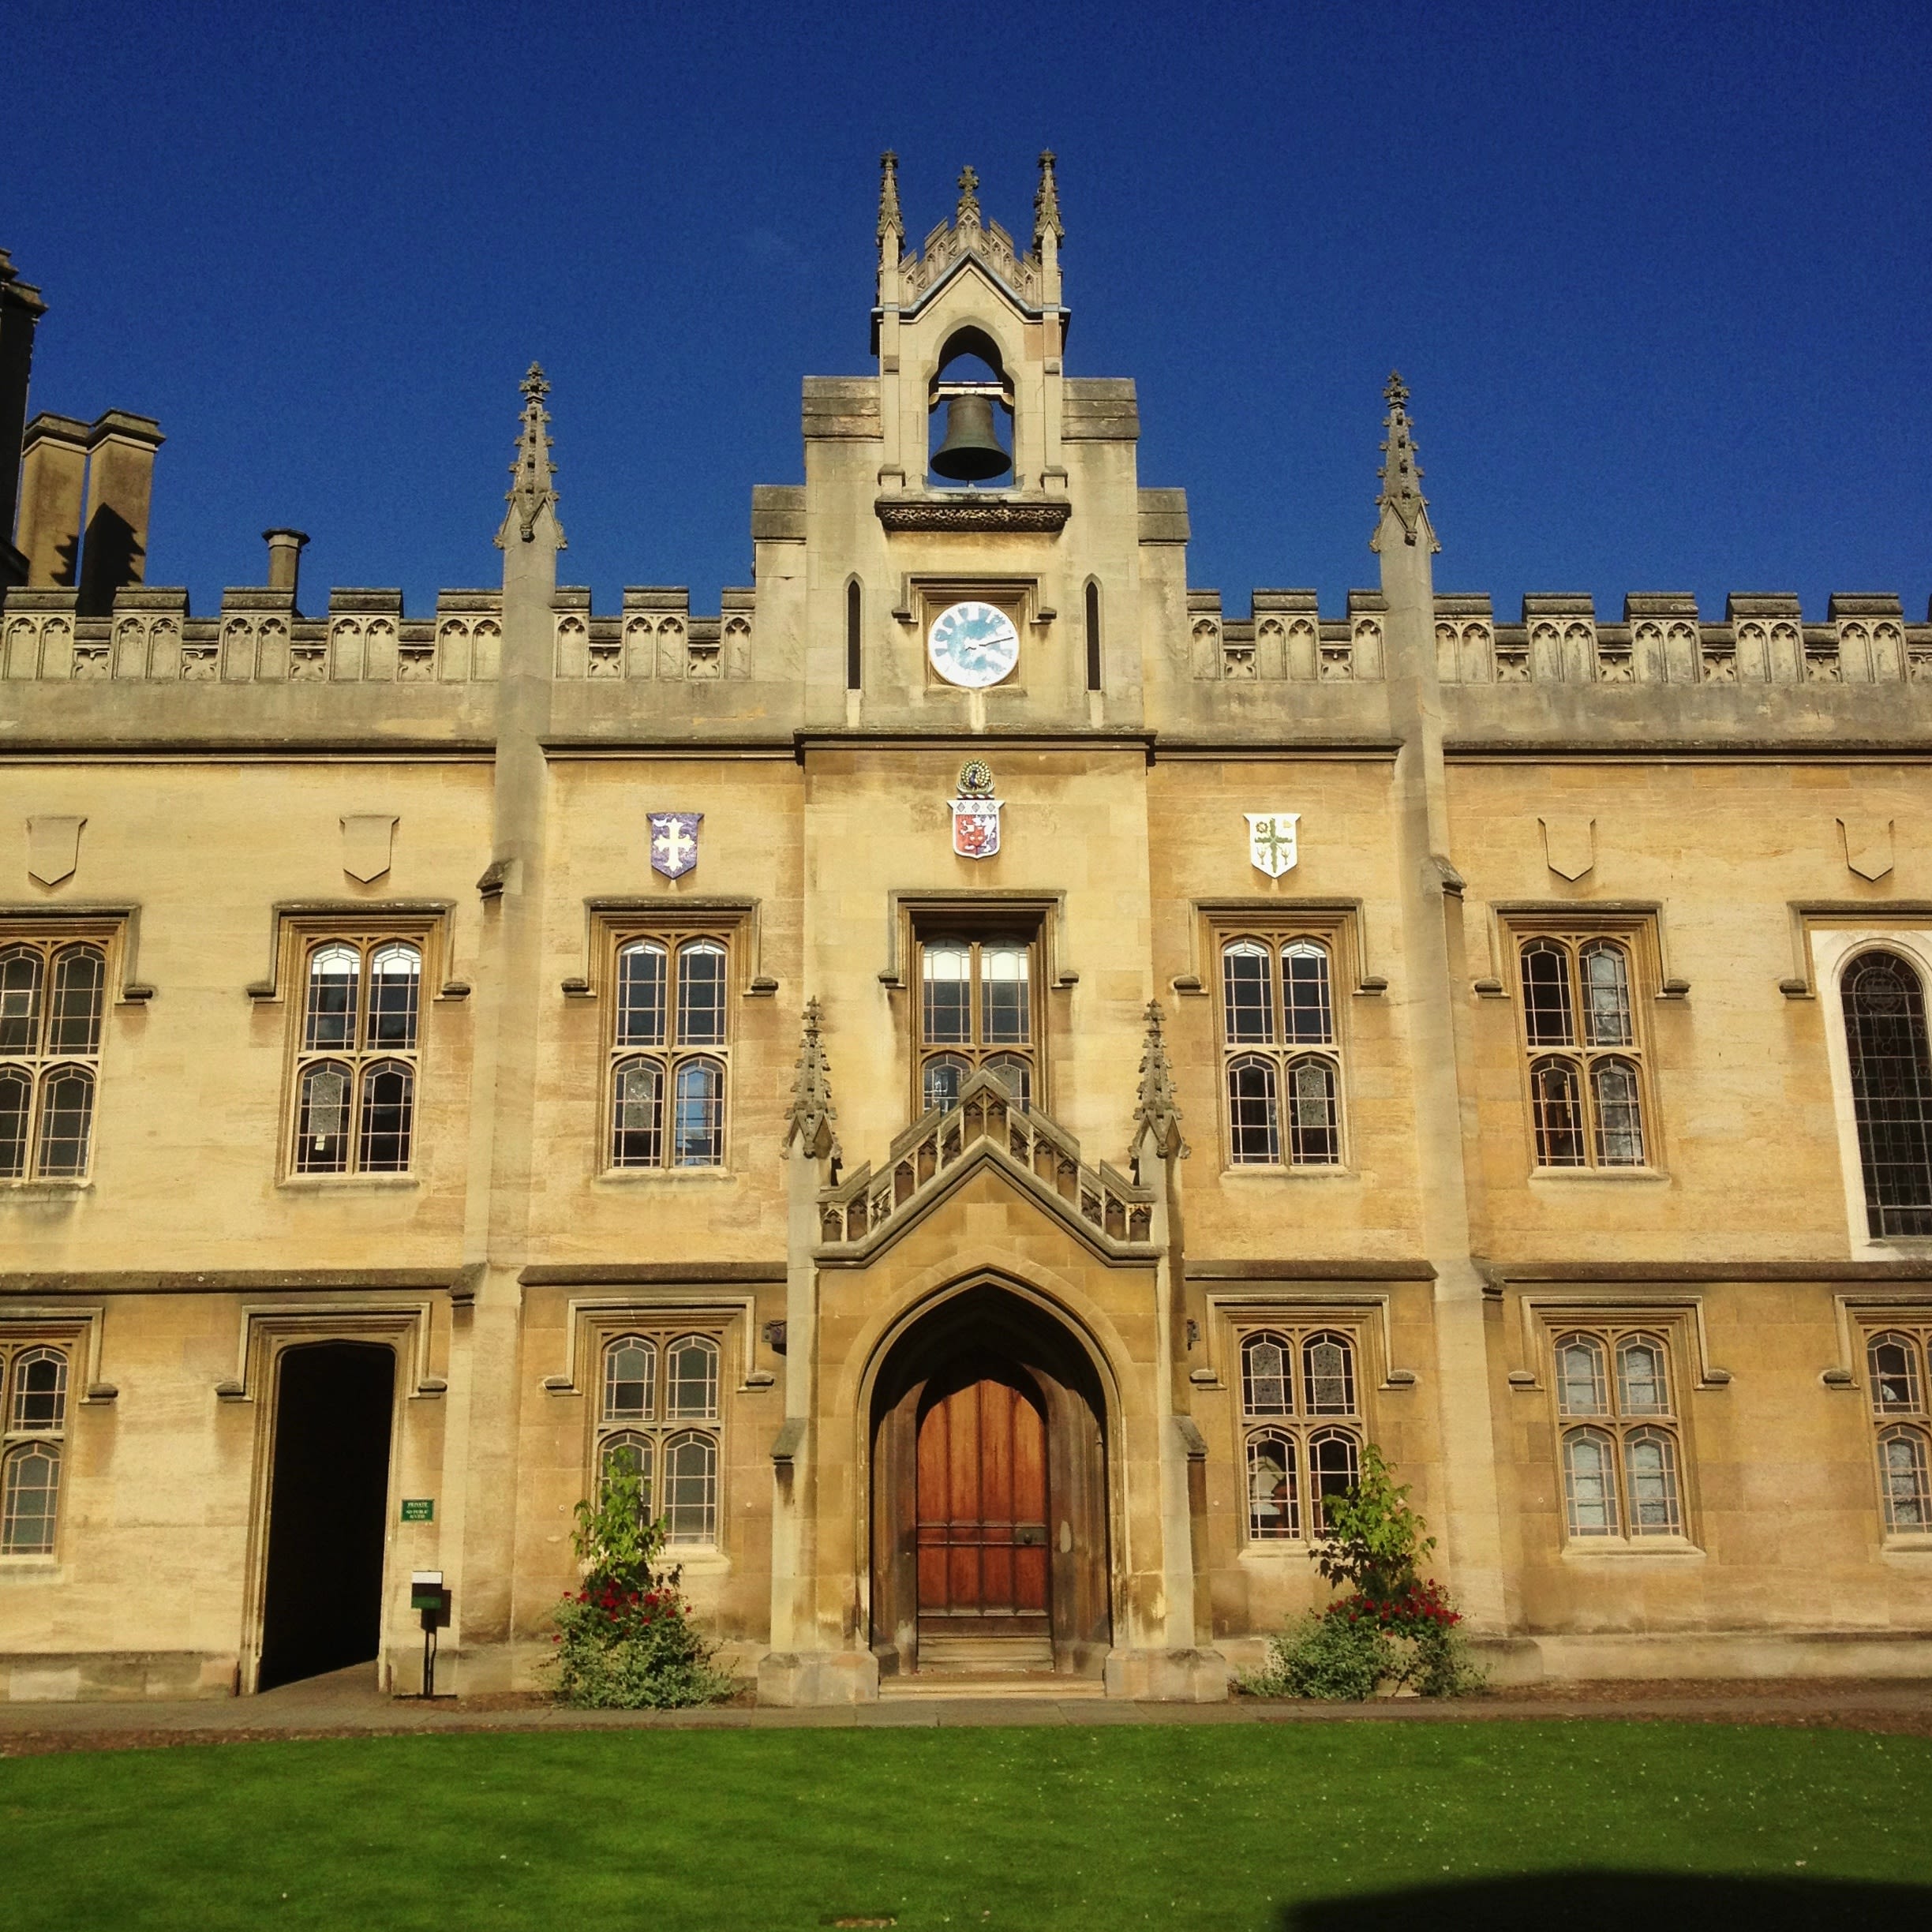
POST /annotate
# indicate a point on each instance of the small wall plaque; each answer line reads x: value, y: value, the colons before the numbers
x: 419, y: 1509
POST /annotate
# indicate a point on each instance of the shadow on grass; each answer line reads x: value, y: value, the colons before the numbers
x: 1605, y: 1901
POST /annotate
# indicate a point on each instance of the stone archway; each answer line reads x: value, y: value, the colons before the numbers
x: 988, y: 1493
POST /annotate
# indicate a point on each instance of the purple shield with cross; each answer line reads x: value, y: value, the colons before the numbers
x: 674, y: 842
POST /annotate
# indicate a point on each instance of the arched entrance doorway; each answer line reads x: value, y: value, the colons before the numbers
x: 988, y: 1494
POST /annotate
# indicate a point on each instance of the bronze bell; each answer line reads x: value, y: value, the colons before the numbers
x: 971, y: 452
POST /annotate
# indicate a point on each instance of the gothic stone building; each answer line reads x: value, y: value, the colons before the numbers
x: 988, y: 1076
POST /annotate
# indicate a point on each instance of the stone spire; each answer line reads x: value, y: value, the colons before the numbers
x: 968, y: 213
x: 809, y: 1120
x: 1046, y: 203
x: 891, y: 224
x: 531, y: 492
x: 1401, y: 474
x: 1155, y: 1111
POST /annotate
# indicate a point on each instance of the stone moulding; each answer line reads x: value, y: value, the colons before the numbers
x: 1044, y: 516
x: 1108, y: 1210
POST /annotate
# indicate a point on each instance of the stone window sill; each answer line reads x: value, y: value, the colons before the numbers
x: 349, y: 1183
x: 635, y: 1176
x: 1920, y: 1544
x: 44, y: 1189
x: 1586, y: 1549
x: 30, y: 1569
x: 1260, y: 1170
x: 1617, y: 1177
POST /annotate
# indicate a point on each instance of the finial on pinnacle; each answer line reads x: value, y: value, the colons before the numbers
x: 1155, y: 1110
x: 809, y: 1120
x: 969, y: 199
x: 1046, y: 201
x: 890, y: 222
x: 531, y: 490
x: 1401, y: 474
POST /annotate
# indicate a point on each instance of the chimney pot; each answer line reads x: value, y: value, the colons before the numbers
x: 285, y: 549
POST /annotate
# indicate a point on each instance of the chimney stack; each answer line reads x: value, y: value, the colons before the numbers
x: 285, y: 549
x: 53, y: 488
x: 20, y: 311
x: 121, y: 450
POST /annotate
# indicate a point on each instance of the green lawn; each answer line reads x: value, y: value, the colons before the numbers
x: 1240, y: 1826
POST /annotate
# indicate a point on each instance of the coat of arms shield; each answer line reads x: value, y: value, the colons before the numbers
x: 1271, y: 841
x: 674, y: 842
x: 976, y: 812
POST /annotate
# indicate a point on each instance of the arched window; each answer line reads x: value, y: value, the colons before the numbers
x: 66, y: 1120
x: 941, y: 1080
x: 854, y: 661
x: 1891, y: 1091
x: 692, y: 1375
x: 1334, y: 1468
x: 671, y: 994
x: 33, y: 1419
x: 1892, y: 1363
x: 1328, y: 1374
x: 690, y: 1487
x: 80, y: 986
x: 633, y: 1454
x: 631, y: 1379
x: 1587, y: 1104
x: 642, y: 970
x: 1589, y: 1482
x: 701, y: 993
x: 1642, y: 1387
x: 1546, y: 994
x: 1314, y: 1135
x: 1015, y: 1074
x: 388, y: 1112
x: 1254, y: 1132
x: 16, y: 1120
x: 39, y: 1401
x: 322, y: 1118
x: 1307, y: 1012
x: 1620, y: 1114
x: 1093, y: 635
x: 395, y: 979
x: 1620, y: 1474
x: 1273, y: 1505
x: 1248, y: 999
x: 1650, y: 1477
x: 975, y: 1012
x: 22, y: 970
x: 1902, y: 1481
x: 636, y: 1123
x: 51, y: 996
x: 335, y: 982
x: 1267, y: 1378
x: 30, y: 1505
x: 1557, y: 1105
x: 1582, y: 1388
x: 1279, y: 990
x: 356, y: 1069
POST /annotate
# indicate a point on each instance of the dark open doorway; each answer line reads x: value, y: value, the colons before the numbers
x: 328, y: 1510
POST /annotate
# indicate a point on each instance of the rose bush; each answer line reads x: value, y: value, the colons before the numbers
x: 627, y: 1640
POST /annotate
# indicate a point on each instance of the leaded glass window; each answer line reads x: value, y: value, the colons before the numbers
x: 1587, y: 1101
x: 1276, y: 994
x: 670, y: 1052
x: 357, y: 1062
x: 52, y: 996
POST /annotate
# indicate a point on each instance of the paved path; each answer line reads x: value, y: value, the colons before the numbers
x: 344, y: 1703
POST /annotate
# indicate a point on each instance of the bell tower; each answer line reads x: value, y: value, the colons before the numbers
x: 968, y: 333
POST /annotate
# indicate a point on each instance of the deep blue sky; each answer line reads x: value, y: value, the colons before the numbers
x: 1659, y: 276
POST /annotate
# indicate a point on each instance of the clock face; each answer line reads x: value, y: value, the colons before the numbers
x: 972, y: 644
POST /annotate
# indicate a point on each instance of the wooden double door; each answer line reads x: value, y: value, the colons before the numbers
x: 983, y: 1558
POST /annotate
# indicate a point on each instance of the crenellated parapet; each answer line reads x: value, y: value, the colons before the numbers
x: 1662, y: 640
x: 1286, y: 638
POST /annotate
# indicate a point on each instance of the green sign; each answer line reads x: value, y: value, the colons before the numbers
x: 419, y: 1509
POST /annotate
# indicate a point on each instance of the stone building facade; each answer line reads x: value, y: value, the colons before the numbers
x: 990, y: 1077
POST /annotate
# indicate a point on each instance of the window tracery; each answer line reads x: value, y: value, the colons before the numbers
x: 1620, y: 1442
x: 659, y: 1418
x: 1301, y: 1427
x: 1587, y: 1102
x: 52, y: 996
x: 670, y: 1050
x: 356, y: 1056
x: 1281, y: 1063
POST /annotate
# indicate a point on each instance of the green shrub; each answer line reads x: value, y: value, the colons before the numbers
x: 1394, y: 1626
x: 628, y: 1641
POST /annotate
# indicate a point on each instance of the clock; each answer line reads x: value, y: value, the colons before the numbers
x: 972, y: 644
